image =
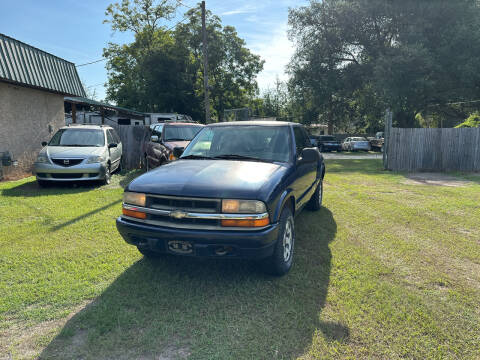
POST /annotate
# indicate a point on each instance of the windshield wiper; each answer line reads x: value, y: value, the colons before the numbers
x: 199, y: 157
x: 239, y: 157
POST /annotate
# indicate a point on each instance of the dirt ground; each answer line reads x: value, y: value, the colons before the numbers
x: 436, y: 179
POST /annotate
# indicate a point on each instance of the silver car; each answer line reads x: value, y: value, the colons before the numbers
x: 79, y: 153
x: 356, y: 144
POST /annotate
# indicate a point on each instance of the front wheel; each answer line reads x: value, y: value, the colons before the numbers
x: 282, y: 258
x: 148, y: 253
x: 315, y: 202
x: 108, y: 175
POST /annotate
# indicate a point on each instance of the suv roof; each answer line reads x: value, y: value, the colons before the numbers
x: 87, y: 126
x: 255, y: 122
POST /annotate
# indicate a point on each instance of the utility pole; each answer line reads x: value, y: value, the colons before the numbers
x: 205, y: 66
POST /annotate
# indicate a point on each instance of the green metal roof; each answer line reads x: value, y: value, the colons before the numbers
x: 26, y: 65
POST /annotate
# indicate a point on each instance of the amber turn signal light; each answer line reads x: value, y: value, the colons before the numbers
x: 246, y: 222
x: 134, y: 214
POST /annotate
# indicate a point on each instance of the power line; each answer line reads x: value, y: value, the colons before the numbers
x: 181, y: 21
x: 87, y: 87
x: 181, y: 3
x: 92, y: 62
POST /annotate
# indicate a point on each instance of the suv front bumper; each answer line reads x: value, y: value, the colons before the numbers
x: 205, y: 243
x: 80, y: 172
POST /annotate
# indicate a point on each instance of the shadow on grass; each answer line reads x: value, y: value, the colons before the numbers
x: 211, y: 309
x: 32, y: 189
x: 81, y: 217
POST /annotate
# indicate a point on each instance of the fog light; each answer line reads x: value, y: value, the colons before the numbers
x: 246, y: 222
x: 134, y: 213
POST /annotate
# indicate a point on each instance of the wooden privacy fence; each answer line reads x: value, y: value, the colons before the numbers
x: 133, y: 138
x: 433, y: 149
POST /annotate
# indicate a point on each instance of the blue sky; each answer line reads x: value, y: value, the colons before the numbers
x: 73, y: 30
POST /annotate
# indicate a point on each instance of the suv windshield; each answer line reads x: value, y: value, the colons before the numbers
x: 180, y: 133
x: 249, y: 142
x: 78, y: 137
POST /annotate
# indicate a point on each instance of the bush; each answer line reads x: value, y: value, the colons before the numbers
x: 472, y: 121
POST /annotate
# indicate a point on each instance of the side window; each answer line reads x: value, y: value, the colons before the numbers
x: 157, y: 130
x: 116, y: 137
x: 110, y: 138
x: 300, y: 139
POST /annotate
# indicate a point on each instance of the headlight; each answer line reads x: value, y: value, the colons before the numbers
x: 95, y: 159
x: 243, y: 206
x: 42, y: 158
x: 134, y: 198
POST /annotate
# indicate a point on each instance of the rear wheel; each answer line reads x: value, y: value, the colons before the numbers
x: 282, y: 258
x: 315, y: 202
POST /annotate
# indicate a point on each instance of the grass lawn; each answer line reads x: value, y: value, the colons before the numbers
x: 385, y: 270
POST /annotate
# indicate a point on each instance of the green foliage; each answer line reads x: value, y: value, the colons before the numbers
x: 162, y: 70
x: 407, y: 55
x: 473, y: 121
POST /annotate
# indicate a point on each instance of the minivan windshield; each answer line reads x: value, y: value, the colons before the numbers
x: 78, y: 137
x: 181, y: 132
x: 238, y: 142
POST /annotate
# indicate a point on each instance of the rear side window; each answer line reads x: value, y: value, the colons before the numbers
x: 116, y: 137
x: 110, y: 139
x: 301, y: 139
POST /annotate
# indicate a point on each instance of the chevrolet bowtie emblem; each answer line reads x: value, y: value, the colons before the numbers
x: 178, y: 214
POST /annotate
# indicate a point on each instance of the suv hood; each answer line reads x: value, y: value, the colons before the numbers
x: 72, y: 152
x: 209, y: 179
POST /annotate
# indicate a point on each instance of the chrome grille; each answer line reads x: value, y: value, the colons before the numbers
x: 172, y: 203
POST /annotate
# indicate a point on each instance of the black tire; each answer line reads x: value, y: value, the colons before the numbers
x: 108, y: 175
x: 119, y: 167
x: 146, y: 166
x: 43, y: 183
x: 280, y: 262
x: 315, y: 202
x: 148, y: 253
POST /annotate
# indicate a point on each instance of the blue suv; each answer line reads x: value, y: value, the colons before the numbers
x: 233, y: 193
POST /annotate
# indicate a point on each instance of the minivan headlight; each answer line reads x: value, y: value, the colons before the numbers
x: 243, y: 206
x: 133, y: 198
x: 95, y: 159
x: 42, y: 158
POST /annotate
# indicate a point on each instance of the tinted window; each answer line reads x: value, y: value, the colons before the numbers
x: 157, y: 130
x: 110, y: 139
x: 180, y: 133
x: 269, y: 143
x: 78, y: 137
x: 301, y: 140
x: 116, y: 137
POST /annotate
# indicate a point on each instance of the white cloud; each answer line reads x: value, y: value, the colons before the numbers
x: 276, y: 50
x: 246, y: 9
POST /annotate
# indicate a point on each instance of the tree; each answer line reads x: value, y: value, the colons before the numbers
x: 162, y: 69
x: 406, y: 55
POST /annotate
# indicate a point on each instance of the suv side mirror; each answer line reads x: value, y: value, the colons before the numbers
x: 309, y: 155
x: 154, y: 138
x: 44, y: 143
x: 178, y: 151
x: 112, y: 145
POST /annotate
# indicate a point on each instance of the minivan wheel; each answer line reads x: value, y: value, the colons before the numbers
x: 108, y: 175
x: 315, y: 202
x: 282, y: 258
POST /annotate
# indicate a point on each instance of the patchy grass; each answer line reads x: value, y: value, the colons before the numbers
x: 385, y: 270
